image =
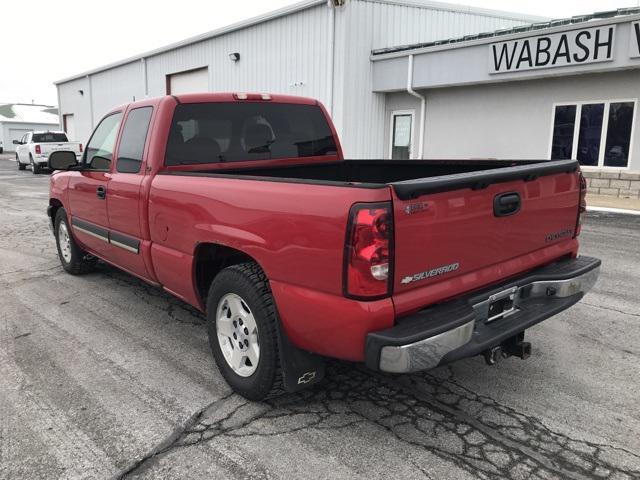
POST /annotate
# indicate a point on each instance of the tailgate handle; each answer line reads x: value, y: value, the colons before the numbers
x: 506, y: 204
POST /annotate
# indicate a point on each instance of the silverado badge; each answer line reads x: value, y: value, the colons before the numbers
x: 431, y: 273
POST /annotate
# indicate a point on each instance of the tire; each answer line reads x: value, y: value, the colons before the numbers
x: 73, y: 259
x: 35, y: 169
x: 21, y: 166
x: 248, y: 283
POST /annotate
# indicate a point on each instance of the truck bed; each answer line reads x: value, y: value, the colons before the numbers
x: 409, y: 178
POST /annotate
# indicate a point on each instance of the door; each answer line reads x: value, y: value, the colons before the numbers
x: 88, y: 187
x: 22, y: 150
x: 401, y: 138
x: 124, y: 200
x: 69, y: 126
x: 188, y: 82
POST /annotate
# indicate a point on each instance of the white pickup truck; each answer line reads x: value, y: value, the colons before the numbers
x: 34, y: 148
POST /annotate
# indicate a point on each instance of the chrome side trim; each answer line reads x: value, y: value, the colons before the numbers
x: 426, y: 353
x: 123, y: 246
x: 93, y: 234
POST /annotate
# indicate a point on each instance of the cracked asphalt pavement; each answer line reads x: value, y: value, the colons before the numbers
x: 103, y: 376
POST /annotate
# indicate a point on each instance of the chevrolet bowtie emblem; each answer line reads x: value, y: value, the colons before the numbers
x: 307, y: 377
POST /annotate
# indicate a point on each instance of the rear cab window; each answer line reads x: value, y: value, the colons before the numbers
x: 49, y: 137
x: 235, y: 132
x: 133, y: 140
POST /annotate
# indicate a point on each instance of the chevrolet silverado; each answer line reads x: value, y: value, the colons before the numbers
x: 243, y: 206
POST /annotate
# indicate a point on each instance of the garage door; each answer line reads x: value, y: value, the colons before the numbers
x: 188, y: 82
x: 15, y: 134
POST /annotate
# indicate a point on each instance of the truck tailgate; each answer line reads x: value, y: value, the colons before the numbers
x: 48, y: 148
x: 457, y: 233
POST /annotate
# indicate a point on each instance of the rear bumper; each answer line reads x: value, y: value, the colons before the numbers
x: 462, y: 328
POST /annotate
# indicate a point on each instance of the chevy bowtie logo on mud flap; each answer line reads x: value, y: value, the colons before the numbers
x: 306, y: 378
x: 431, y: 273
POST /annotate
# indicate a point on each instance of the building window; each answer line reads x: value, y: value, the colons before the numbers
x: 563, y: 126
x: 595, y: 133
x: 618, y: 146
x: 401, y: 135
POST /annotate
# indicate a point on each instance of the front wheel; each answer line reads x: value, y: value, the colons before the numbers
x: 242, y: 328
x: 21, y: 166
x: 72, y: 258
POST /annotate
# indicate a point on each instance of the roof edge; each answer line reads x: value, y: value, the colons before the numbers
x: 265, y: 17
x: 523, y: 31
x: 460, y: 8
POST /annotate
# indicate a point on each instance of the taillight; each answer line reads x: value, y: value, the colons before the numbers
x: 582, y: 208
x: 80, y: 148
x: 368, y: 269
x: 38, y: 151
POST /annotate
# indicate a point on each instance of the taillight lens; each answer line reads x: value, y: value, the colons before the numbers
x: 369, y: 251
x: 582, y: 208
x: 80, y: 148
x: 38, y: 150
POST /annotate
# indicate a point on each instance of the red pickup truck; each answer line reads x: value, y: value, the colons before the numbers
x: 243, y: 206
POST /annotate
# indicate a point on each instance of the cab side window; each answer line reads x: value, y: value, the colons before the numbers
x: 133, y: 139
x: 99, y: 152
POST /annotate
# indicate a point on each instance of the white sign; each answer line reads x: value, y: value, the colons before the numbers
x: 634, y: 40
x: 577, y: 47
x: 402, y: 131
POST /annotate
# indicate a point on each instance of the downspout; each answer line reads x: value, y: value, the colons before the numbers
x: 145, y: 81
x: 91, y: 101
x: 423, y: 107
x: 332, y: 51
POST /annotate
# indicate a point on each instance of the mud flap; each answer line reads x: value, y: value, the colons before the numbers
x: 300, y: 369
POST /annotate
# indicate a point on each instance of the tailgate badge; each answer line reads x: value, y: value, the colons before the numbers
x: 415, y: 208
x: 435, y: 272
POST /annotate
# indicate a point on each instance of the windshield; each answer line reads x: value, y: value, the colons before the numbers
x: 49, y: 137
x: 232, y: 132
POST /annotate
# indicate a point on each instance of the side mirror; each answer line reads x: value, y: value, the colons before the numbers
x: 17, y: 142
x: 62, y: 160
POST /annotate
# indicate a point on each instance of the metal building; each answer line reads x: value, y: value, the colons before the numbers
x: 561, y: 89
x: 18, y: 119
x: 314, y: 48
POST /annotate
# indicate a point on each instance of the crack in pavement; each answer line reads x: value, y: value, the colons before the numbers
x: 168, y: 442
x: 473, y: 432
x: 610, y: 309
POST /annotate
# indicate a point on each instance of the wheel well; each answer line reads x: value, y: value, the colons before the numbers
x: 55, y: 206
x: 210, y: 259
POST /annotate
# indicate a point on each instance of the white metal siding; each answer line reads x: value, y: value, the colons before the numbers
x: 286, y: 55
x: 367, y: 25
x: 115, y: 87
x: 72, y: 101
x: 289, y: 54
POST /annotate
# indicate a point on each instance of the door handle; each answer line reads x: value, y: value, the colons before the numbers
x: 506, y: 204
x: 101, y: 192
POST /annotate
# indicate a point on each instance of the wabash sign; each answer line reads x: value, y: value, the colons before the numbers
x: 577, y: 47
x: 634, y: 43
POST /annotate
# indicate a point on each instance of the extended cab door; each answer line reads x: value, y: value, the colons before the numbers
x: 125, y: 200
x: 22, y: 150
x: 88, y: 187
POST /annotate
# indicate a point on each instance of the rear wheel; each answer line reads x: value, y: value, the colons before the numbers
x: 242, y: 328
x: 35, y: 169
x: 20, y: 165
x: 73, y: 259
